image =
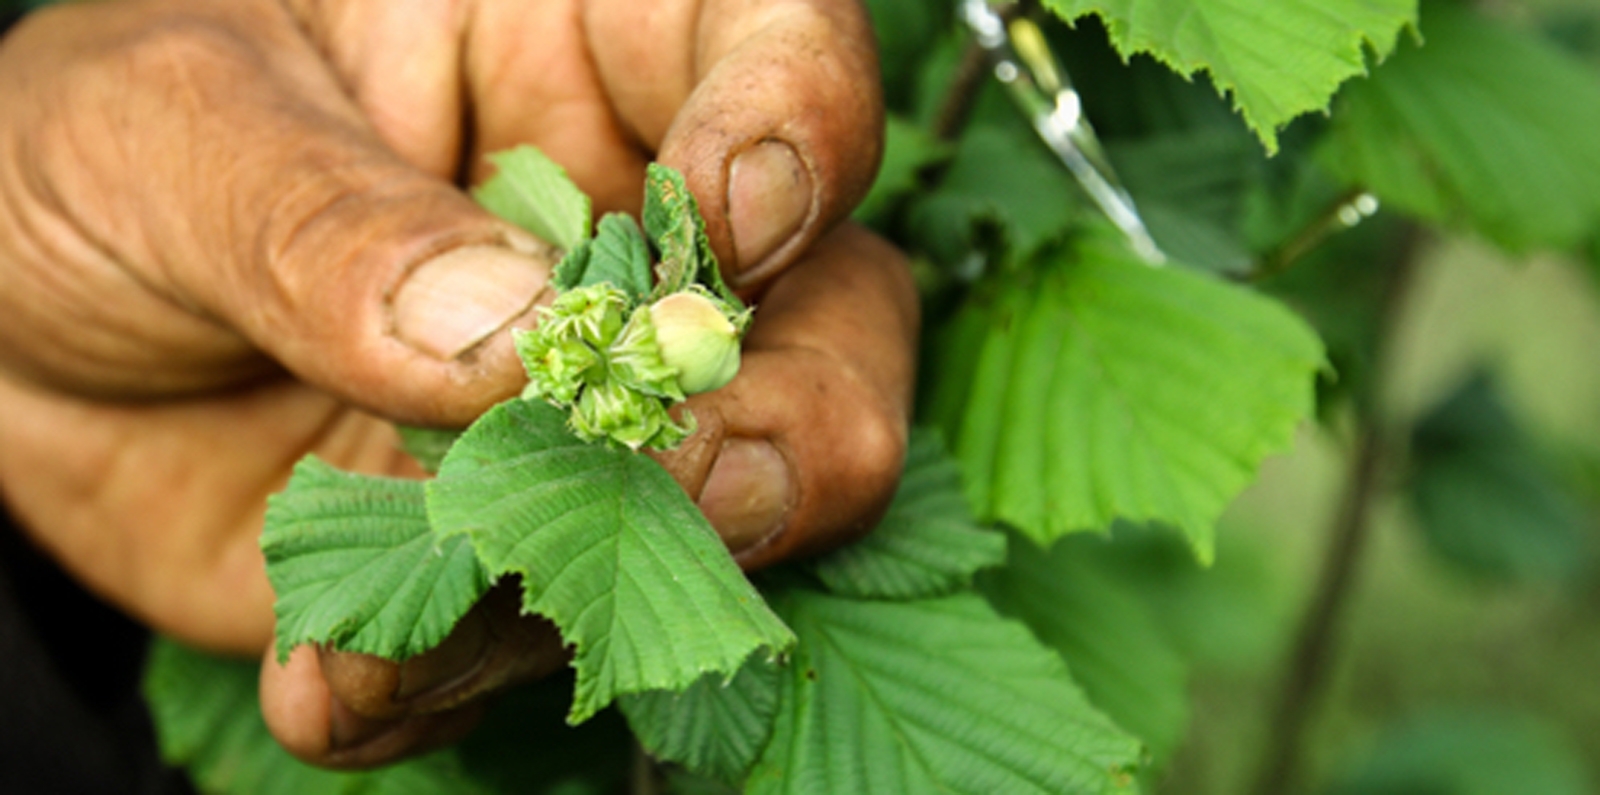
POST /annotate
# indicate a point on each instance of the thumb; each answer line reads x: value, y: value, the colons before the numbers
x: 249, y: 213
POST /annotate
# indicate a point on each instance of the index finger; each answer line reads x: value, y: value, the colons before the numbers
x: 772, y: 109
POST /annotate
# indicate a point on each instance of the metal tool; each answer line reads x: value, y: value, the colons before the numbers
x: 1033, y: 78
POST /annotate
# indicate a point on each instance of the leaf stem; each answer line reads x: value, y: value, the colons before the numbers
x: 1316, y: 646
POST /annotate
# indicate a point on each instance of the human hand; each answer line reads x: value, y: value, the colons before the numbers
x: 228, y: 238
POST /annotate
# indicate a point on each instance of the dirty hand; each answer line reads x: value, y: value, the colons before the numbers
x: 231, y: 235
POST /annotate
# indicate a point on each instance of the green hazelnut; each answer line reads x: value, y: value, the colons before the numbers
x: 698, y: 337
x: 593, y: 314
x: 610, y: 410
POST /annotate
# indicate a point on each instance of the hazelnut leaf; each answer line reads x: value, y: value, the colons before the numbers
x: 531, y: 191
x: 1093, y: 387
x: 672, y: 220
x: 207, y: 718
x: 928, y: 544
x: 354, y: 565
x: 932, y: 695
x: 609, y: 547
x: 716, y: 727
x: 617, y: 254
x: 1332, y: 42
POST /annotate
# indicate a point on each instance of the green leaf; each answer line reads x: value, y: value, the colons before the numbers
x: 939, y: 695
x: 1096, y: 388
x: 618, y: 255
x: 716, y: 727
x: 1486, y: 501
x: 907, y: 150
x: 682, y: 782
x: 1278, y: 59
x: 355, y: 566
x: 608, y: 547
x: 531, y: 191
x: 999, y: 177
x: 426, y: 445
x: 907, y: 30
x: 927, y: 544
x: 569, y: 272
x: 1190, y: 186
x: 672, y: 220
x: 1108, y: 636
x: 1469, y: 752
x: 207, y: 719
x: 1485, y: 126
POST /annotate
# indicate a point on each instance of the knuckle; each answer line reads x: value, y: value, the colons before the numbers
x: 880, y: 450
x: 173, y: 46
x: 871, y: 470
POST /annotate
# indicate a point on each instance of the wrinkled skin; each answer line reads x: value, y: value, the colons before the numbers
x: 230, y: 235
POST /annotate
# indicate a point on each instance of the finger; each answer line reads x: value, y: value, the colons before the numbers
x: 771, y: 108
x: 308, y: 721
x: 511, y: 72
x: 372, y: 711
x: 401, y: 61
x: 532, y: 80
x: 802, y: 451
x: 204, y: 174
x: 493, y: 646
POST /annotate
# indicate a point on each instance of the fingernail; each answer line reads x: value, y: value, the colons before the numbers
x: 769, y: 196
x: 748, y: 493
x: 459, y: 298
x: 459, y: 657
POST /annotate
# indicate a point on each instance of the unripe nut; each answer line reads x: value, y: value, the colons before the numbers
x: 697, y: 339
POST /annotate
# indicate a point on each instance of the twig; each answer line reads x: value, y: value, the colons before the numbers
x: 1325, y: 225
x: 956, y: 105
x: 642, y: 780
x: 1315, y: 649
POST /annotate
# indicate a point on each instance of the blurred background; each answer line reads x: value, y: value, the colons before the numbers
x: 1409, y: 600
x: 1467, y: 657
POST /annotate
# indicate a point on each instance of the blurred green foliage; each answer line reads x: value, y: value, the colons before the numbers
x: 1468, y: 654
x: 1467, y: 752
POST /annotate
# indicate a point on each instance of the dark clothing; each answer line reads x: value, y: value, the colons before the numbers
x: 71, y: 717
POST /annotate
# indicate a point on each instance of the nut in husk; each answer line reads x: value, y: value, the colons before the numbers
x: 699, y: 337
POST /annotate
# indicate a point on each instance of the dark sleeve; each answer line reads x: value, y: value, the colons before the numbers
x: 10, y: 12
x: 71, y: 717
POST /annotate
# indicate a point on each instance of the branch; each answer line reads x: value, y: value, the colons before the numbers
x: 956, y: 105
x: 1315, y: 649
x: 1313, y: 652
x: 642, y: 776
x: 1333, y: 219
